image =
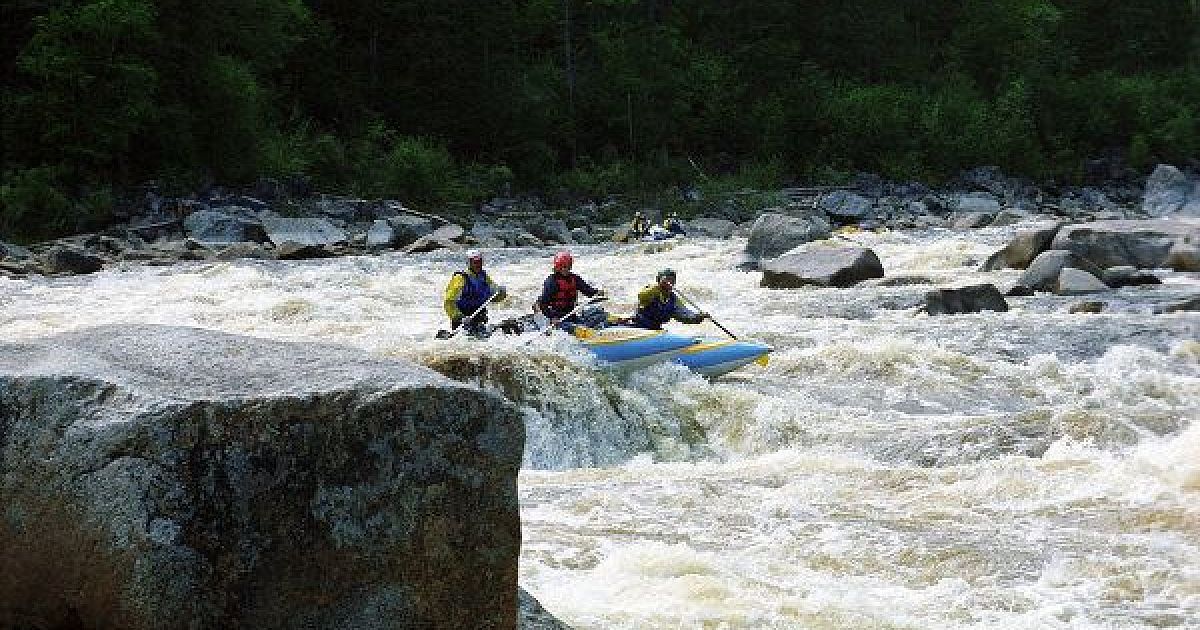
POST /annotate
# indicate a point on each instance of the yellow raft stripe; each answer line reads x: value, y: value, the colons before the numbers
x: 701, y: 347
x: 619, y: 337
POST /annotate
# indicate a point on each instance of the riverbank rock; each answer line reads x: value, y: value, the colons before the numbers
x: 969, y: 299
x: 1169, y: 191
x: 176, y: 478
x: 1145, y: 244
x: 1023, y: 248
x: 821, y: 267
x: 774, y: 234
x: 72, y: 259
x: 711, y: 227
x: 209, y: 226
x: 1072, y: 281
x: 305, y: 231
x: 1042, y: 274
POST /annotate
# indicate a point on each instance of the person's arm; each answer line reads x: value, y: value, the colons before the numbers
x: 585, y: 288
x: 685, y: 314
x: 647, y: 296
x: 548, y: 287
x: 498, y: 290
x: 453, y: 291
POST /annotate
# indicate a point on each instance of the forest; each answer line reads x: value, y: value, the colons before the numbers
x: 460, y: 100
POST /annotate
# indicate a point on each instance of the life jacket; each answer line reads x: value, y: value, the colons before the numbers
x: 659, y: 311
x: 565, y: 293
x: 475, y: 292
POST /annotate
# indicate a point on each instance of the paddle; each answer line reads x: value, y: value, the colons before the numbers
x: 449, y: 334
x: 595, y: 300
x: 710, y: 317
x: 760, y: 360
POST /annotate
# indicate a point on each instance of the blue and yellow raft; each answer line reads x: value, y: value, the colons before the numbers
x: 634, y: 348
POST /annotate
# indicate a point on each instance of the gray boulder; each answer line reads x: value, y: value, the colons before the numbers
x: 210, y: 226
x: 969, y: 299
x: 711, y: 227
x: 1024, y: 247
x: 71, y: 259
x: 303, y: 231
x: 1145, y: 244
x: 1171, y: 192
x: 8, y: 251
x: 844, y: 206
x: 448, y: 232
x: 552, y: 231
x: 1043, y: 272
x: 1072, y: 281
x: 1127, y: 276
x: 243, y: 250
x: 409, y: 228
x: 1184, y: 256
x: 289, y: 250
x: 381, y: 234
x: 774, y: 234
x: 821, y: 267
x: 430, y: 243
x: 175, y: 478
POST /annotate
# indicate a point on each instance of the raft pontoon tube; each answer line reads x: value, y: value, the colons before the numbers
x: 716, y: 357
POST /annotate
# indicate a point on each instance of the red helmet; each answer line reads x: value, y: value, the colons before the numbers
x: 563, y: 260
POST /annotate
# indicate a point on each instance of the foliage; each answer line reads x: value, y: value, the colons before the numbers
x: 460, y: 100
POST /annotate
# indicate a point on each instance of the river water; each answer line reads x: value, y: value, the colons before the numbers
x: 1029, y: 469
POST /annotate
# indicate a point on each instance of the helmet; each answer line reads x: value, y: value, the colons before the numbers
x: 474, y: 254
x: 666, y: 273
x: 563, y: 260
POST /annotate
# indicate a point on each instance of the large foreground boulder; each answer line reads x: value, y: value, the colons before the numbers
x: 1024, y: 247
x: 172, y: 478
x: 821, y: 267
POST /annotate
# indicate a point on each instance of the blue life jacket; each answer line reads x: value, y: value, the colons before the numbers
x: 475, y: 292
x: 657, y: 313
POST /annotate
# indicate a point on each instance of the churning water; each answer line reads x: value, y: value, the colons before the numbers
x: 1029, y: 469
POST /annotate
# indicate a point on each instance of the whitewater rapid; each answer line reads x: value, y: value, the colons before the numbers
x: 1028, y: 469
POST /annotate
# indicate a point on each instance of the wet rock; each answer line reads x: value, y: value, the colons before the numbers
x: 345, y: 209
x: 289, y: 250
x: 1144, y: 244
x: 381, y: 234
x: 843, y: 206
x: 303, y: 231
x: 1127, y: 276
x: 430, y: 243
x: 409, y: 228
x: 774, y: 234
x: 1042, y: 274
x: 1073, y: 281
x: 710, y: 227
x: 71, y: 259
x: 581, y: 235
x: 821, y: 267
x: 243, y: 250
x: 1169, y: 191
x: 174, y: 478
x: 1184, y: 256
x: 972, y: 220
x: 534, y: 617
x: 210, y: 226
x: 552, y: 231
x: 1024, y: 247
x: 1010, y: 215
x: 969, y: 299
x: 1191, y: 304
x: 1087, y: 306
x: 8, y: 251
x: 448, y: 232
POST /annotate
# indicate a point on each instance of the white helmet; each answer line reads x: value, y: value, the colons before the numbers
x: 474, y: 254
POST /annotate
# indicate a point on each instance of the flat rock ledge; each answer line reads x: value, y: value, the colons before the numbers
x: 161, y: 477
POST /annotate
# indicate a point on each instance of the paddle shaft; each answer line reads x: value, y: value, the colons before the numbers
x: 710, y: 317
x: 591, y: 301
x: 462, y: 324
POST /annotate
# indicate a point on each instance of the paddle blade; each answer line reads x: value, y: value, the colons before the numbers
x: 583, y: 332
x: 763, y: 360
